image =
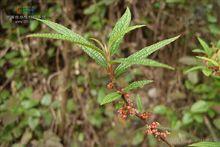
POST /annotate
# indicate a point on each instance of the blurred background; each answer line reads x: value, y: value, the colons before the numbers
x: 36, y: 74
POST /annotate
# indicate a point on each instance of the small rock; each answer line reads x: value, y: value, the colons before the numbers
x: 153, y: 93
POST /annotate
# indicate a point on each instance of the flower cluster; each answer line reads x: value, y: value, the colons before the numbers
x: 153, y: 129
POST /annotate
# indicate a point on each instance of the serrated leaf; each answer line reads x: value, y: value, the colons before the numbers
x: 139, y: 104
x: 209, y: 60
x: 205, y: 46
x: 137, y: 84
x: 114, y: 47
x: 146, y: 62
x: 119, y: 30
x: 97, y: 56
x: 206, y: 144
x: 131, y: 28
x: 110, y: 97
x: 139, y: 55
x: 69, y: 33
x: 152, y: 48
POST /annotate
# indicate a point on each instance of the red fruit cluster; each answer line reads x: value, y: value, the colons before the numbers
x: 110, y: 85
x: 126, y: 110
x: 144, y: 115
x: 153, y: 129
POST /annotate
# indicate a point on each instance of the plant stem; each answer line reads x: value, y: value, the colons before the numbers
x: 120, y: 90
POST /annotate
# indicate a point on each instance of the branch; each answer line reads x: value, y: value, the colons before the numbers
x: 130, y: 109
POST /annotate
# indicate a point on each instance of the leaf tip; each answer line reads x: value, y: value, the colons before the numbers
x: 28, y: 36
x: 178, y: 36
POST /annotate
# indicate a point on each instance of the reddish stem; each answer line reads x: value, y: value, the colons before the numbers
x: 126, y: 97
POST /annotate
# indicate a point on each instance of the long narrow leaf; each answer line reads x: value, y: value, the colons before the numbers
x: 152, y: 48
x: 146, y: 62
x: 98, y: 57
x: 110, y: 97
x: 209, y: 60
x: 206, y: 144
x: 139, y: 55
x: 194, y: 69
x: 137, y: 84
x: 139, y: 104
x: 116, y: 35
x: 198, y: 51
x: 131, y: 28
x: 205, y: 46
x: 114, y: 47
x: 67, y: 32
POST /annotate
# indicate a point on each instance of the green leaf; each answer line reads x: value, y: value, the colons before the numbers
x: 97, y: 56
x: 29, y: 103
x: 211, y: 18
x: 205, y: 46
x: 139, y: 104
x: 26, y: 93
x: 209, y: 60
x: 160, y: 109
x: 139, y: 55
x: 146, y: 62
x: 198, y: 51
x: 214, y: 29
x: 46, y: 100
x: 71, y: 106
x: 33, y: 112
x: 131, y: 28
x: 118, y: 31
x: 33, y: 122
x: 65, y: 38
x: 200, y: 107
x: 207, y: 72
x: 33, y: 25
x: 198, y: 118
x: 187, y: 118
x: 68, y: 33
x: 114, y: 47
x: 10, y: 72
x: 137, y: 84
x: 152, y: 48
x: 110, y: 97
x: 216, y: 122
x: 137, y: 139
x: 193, y: 69
x: 206, y: 144
x: 175, y: 1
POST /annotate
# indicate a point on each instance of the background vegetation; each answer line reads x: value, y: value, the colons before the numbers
x: 36, y: 74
